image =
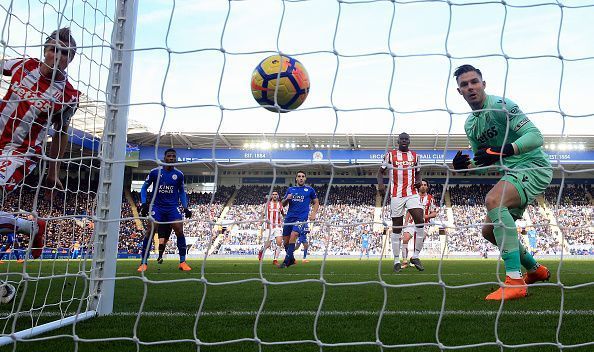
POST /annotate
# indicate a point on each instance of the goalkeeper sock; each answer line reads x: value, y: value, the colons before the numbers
x: 161, y: 250
x: 146, y: 247
x: 181, y: 247
x: 419, y: 239
x: 2, y: 253
x: 395, y: 237
x: 527, y: 259
x: 506, y: 237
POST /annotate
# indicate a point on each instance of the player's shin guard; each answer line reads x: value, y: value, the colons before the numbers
x: 527, y: 259
x: 506, y: 237
x: 419, y: 239
x: 305, y: 252
x: 146, y: 248
x: 395, y: 237
x: 181, y: 247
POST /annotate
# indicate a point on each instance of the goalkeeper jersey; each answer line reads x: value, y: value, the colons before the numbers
x: 487, y: 128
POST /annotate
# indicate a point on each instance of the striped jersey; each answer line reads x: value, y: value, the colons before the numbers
x: 403, y: 180
x: 428, y: 203
x: 32, y: 100
x: 274, y: 215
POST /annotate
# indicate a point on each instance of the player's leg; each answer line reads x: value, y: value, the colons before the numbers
x: 533, y: 182
x: 419, y: 235
x: 500, y: 199
x: 303, y: 239
x: 287, y: 230
x: 291, y: 239
x: 279, y: 245
x: 13, y: 171
x: 406, y: 236
x: 178, y: 228
x: 163, y: 232
x: 266, y: 233
x: 146, y: 245
x: 397, y: 211
x: 395, y: 237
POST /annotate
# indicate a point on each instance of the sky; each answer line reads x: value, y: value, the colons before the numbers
x: 375, y: 66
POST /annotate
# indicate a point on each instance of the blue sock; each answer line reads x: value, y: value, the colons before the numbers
x: 181, y: 247
x: 305, y: 253
x: 290, y: 250
x: 2, y: 253
x: 146, y: 247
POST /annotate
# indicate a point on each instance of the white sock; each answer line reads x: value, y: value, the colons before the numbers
x: 419, y: 239
x: 405, y: 251
x: 395, y: 237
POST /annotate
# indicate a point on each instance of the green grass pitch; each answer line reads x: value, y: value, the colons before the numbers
x: 349, y: 313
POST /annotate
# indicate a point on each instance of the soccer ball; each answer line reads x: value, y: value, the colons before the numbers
x: 293, y: 83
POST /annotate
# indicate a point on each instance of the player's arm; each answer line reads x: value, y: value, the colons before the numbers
x: 58, y: 147
x: 432, y: 211
x: 314, y: 209
x: 381, y: 172
x: 144, y: 207
x: 288, y: 196
x: 418, y: 176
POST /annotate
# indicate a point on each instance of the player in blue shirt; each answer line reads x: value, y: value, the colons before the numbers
x: 168, y: 192
x: 364, y: 244
x: 299, y: 199
x: 10, y: 241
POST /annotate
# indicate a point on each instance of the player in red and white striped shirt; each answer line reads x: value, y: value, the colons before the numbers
x: 273, y: 227
x: 430, y: 211
x: 39, y: 96
x: 403, y: 164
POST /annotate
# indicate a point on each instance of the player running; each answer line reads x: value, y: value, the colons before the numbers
x: 430, y: 212
x: 169, y: 185
x: 39, y: 96
x: 299, y: 198
x: 499, y: 132
x: 406, y: 179
x: 273, y: 227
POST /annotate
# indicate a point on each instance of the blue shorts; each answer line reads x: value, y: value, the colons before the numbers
x: 302, y: 238
x: 166, y: 214
x: 365, y: 246
x: 301, y: 229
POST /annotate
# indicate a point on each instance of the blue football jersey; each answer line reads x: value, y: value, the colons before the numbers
x: 365, y: 240
x: 170, y: 188
x: 300, y: 203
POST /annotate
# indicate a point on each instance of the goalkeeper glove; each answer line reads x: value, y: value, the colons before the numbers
x: 461, y: 161
x: 490, y: 155
x: 187, y: 213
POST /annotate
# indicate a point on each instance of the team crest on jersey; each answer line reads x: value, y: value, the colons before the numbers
x: 174, y: 177
x: 307, y: 189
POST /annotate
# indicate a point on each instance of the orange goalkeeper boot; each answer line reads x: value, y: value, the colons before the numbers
x: 542, y: 273
x: 142, y: 267
x: 517, y: 290
x: 183, y: 266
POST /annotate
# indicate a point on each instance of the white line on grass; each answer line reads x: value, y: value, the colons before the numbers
x: 353, y: 313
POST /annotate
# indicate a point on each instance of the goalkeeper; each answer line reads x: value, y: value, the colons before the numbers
x: 499, y: 133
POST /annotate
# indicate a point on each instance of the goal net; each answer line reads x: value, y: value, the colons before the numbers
x: 377, y: 68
